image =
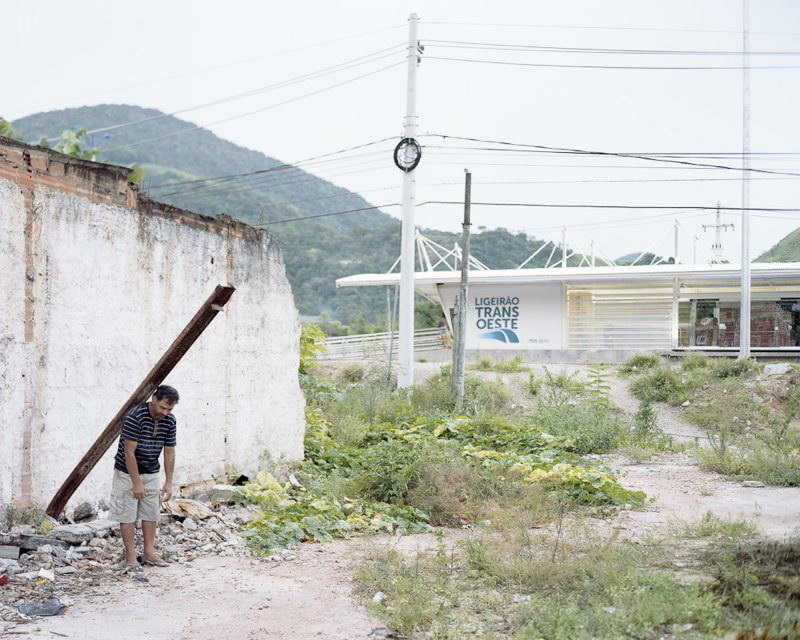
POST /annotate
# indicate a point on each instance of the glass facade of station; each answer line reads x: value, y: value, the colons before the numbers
x: 709, y: 323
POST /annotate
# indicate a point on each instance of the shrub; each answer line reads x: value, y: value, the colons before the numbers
x: 730, y: 368
x: 534, y: 385
x: 352, y: 373
x: 695, y: 360
x: 436, y: 397
x: 588, y: 429
x: 390, y: 469
x: 660, y: 385
x: 645, y: 424
x: 752, y: 461
x: 642, y: 361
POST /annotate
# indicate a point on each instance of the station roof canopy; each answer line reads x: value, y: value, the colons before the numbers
x: 427, y: 283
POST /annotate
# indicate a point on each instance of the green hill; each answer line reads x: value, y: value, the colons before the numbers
x: 787, y: 250
x: 316, y: 252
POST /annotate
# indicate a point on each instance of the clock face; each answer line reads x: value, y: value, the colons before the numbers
x: 407, y: 154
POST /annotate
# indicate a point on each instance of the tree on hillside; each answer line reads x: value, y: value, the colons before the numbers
x: 71, y: 143
x: 7, y: 131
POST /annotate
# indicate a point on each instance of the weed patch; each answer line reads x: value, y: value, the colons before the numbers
x: 712, y: 526
x: 514, y: 365
x: 758, y: 582
x: 532, y: 585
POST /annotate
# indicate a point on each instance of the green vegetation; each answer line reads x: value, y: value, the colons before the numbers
x: 529, y: 564
x: 751, y: 429
x: 525, y: 584
x: 379, y: 459
x: 14, y: 515
x: 759, y: 582
x: 516, y: 579
x: 7, y: 130
x: 787, y: 250
x: 640, y: 361
x: 712, y: 526
x: 514, y: 365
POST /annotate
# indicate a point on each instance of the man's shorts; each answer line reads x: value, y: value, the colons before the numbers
x: 125, y: 508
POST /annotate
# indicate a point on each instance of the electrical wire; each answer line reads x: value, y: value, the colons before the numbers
x: 609, y: 66
x: 325, y: 215
x: 609, y: 206
x: 496, y: 46
x: 342, y: 66
x: 614, y: 154
x: 224, y: 65
x: 282, y: 166
x: 249, y: 113
x: 596, y: 28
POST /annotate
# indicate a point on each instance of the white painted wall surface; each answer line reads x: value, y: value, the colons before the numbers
x: 527, y: 317
x: 113, y: 288
x: 12, y: 289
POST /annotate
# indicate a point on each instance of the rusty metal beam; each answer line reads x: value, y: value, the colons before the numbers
x: 171, y: 357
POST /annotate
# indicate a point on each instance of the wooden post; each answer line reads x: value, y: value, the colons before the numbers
x: 171, y: 357
x: 461, y: 302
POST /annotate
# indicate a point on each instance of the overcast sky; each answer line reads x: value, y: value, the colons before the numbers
x: 528, y: 73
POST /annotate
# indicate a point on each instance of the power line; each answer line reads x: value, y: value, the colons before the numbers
x: 608, y: 66
x: 228, y: 64
x: 614, y: 154
x: 324, y: 215
x: 342, y: 66
x: 249, y: 113
x: 497, y: 46
x: 609, y: 206
x: 597, y: 28
x: 283, y: 166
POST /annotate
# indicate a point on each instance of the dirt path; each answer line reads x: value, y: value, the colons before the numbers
x: 308, y: 595
x: 224, y: 598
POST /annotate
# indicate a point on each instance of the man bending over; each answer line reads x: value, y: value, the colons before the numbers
x: 148, y: 428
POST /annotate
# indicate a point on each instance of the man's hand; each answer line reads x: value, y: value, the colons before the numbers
x: 138, y: 490
x: 166, y: 492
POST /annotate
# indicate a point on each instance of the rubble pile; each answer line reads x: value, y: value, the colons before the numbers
x: 72, y: 559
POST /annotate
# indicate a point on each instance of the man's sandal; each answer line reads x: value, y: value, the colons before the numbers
x: 153, y: 563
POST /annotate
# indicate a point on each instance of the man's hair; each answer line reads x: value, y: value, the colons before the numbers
x: 168, y: 393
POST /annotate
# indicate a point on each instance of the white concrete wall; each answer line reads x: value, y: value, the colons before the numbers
x: 112, y: 288
x: 12, y: 291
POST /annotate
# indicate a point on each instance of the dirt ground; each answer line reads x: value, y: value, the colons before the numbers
x: 308, y: 594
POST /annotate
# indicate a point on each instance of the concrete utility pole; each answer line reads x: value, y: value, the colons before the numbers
x: 459, y: 345
x: 744, y: 311
x: 716, y: 248
x: 405, y: 375
x: 675, y: 252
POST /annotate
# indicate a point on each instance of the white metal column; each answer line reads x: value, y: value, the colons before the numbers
x: 405, y: 374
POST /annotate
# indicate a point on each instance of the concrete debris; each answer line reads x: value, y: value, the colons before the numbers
x: 779, y: 369
x: 47, y: 607
x: 9, y: 551
x: 79, y: 533
x: 77, y: 558
x: 10, y: 614
x: 221, y: 493
x: 184, y: 507
x: 83, y: 512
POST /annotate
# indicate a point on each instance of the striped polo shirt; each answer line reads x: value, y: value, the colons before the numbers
x: 151, y: 435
